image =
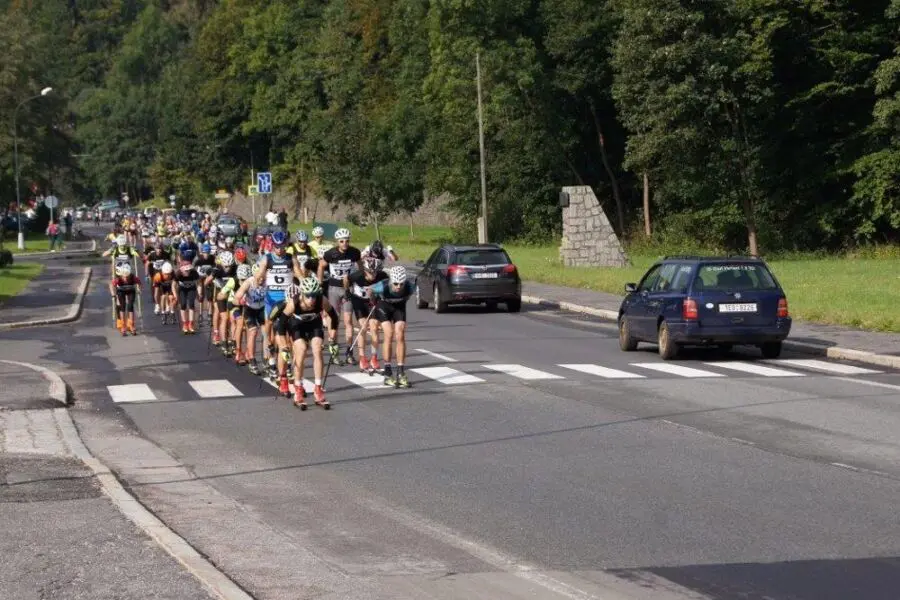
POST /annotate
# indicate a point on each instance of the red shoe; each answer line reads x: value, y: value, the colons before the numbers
x: 373, y: 362
x: 319, y: 393
x: 283, y: 386
x: 363, y: 363
x: 299, y: 396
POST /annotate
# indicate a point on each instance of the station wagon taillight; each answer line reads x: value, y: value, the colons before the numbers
x: 453, y: 270
x: 509, y: 269
x: 689, y: 309
x: 783, y: 308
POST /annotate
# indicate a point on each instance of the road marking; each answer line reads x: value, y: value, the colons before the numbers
x: 363, y: 380
x: 132, y: 392
x: 602, y: 371
x: 307, y: 384
x: 447, y: 376
x: 522, y: 372
x: 755, y: 369
x: 865, y: 382
x: 821, y: 365
x: 677, y: 370
x: 435, y: 355
x: 215, y: 388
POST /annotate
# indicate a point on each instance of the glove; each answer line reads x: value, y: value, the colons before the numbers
x: 333, y: 349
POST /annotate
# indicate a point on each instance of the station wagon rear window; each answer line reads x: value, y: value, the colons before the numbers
x: 482, y: 257
x: 734, y: 277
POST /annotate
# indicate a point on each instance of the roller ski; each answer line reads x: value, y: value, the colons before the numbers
x: 254, y: 368
x: 300, y: 397
x: 319, y: 395
x: 400, y: 380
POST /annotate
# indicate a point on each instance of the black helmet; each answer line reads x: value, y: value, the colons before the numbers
x: 377, y: 249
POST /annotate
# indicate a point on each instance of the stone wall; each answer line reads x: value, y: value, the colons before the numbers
x: 433, y: 212
x: 588, y: 238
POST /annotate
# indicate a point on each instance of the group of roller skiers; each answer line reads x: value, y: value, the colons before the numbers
x: 290, y: 298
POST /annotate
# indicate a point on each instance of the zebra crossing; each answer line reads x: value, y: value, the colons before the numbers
x: 207, y: 389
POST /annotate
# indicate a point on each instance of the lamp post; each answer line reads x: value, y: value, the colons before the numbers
x: 44, y: 92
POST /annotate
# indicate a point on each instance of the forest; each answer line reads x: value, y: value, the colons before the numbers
x: 755, y: 124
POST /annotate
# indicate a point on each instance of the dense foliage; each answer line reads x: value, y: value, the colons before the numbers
x: 755, y: 121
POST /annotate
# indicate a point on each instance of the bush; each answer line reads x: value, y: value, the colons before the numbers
x: 6, y: 258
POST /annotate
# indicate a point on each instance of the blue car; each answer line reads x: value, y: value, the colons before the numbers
x: 705, y: 301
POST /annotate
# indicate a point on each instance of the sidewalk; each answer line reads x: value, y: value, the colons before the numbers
x: 54, y: 296
x: 62, y: 536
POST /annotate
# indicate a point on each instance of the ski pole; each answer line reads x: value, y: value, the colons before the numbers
x: 362, y: 328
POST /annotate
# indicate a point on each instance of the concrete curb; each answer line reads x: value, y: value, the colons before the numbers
x: 57, y: 390
x: 834, y: 352
x: 214, y: 580
x: 71, y: 315
x: 63, y: 254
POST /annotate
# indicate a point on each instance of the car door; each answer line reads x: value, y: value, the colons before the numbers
x: 439, y: 273
x: 665, y: 297
x: 423, y: 279
x: 636, y: 309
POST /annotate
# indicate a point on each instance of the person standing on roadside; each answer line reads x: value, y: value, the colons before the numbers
x: 53, y: 234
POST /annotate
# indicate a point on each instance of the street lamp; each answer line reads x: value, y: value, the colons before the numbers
x: 44, y: 92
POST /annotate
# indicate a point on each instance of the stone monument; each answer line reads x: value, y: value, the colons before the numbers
x: 588, y: 239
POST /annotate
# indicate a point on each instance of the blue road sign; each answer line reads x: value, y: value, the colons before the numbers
x: 264, y: 181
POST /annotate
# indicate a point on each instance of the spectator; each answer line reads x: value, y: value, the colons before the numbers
x: 67, y: 220
x: 283, y: 219
x: 53, y: 234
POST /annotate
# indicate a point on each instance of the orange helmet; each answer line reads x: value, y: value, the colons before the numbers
x: 240, y: 255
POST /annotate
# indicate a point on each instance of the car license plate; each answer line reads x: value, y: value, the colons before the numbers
x: 737, y: 308
x: 484, y: 276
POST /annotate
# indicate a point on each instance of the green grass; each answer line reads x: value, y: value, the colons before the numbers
x: 14, y: 278
x: 859, y: 289
x: 34, y: 242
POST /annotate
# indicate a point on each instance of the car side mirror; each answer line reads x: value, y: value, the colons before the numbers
x: 630, y: 288
x: 420, y: 263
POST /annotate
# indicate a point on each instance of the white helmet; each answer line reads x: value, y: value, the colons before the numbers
x: 342, y: 234
x: 244, y: 272
x: 167, y: 268
x: 398, y: 274
x: 121, y: 240
x: 123, y: 270
x: 225, y: 258
x: 318, y: 231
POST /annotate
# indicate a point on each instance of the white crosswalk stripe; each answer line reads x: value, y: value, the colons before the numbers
x: 604, y: 372
x: 829, y: 367
x: 224, y: 388
x: 447, y: 376
x: 215, y: 388
x: 754, y: 369
x: 522, y: 372
x: 677, y: 370
x: 131, y: 392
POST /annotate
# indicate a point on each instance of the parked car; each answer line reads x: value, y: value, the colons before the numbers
x: 456, y: 274
x: 229, y: 226
x: 705, y: 301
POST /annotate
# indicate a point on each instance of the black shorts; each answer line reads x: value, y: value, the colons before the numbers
x: 361, y: 307
x: 187, y: 297
x: 208, y: 292
x: 222, y: 305
x: 280, y: 324
x: 254, y: 317
x: 386, y: 312
x: 306, y: 330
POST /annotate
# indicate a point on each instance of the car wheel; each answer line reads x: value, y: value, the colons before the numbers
x: 419, y: 303
x: 514, y: 306
x: 668, y: 349
x: 439, y: 306
x: 726, y: 347
x: 627, y: 342
x: 771, y: 349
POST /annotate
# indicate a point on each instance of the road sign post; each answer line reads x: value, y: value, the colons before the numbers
x: 51, y: 202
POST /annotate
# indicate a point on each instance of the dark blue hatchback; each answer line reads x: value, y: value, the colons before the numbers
x: 705, y: 301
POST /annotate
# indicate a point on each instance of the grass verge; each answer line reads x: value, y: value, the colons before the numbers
x: 858, y: 290
x: 14, y: 278
x: 34, y: 242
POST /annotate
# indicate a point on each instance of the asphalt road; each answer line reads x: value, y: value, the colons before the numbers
x: 742, y: 479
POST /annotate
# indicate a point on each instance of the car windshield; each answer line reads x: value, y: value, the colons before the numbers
x: 482, y: 257
x: 734, y: 277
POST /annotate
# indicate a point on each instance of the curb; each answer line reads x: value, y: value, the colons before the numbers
x: 71, y: 315
x: 835, y: 352
x: 63, y: 254
x: 58, y: 389
x: 214, y: 580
